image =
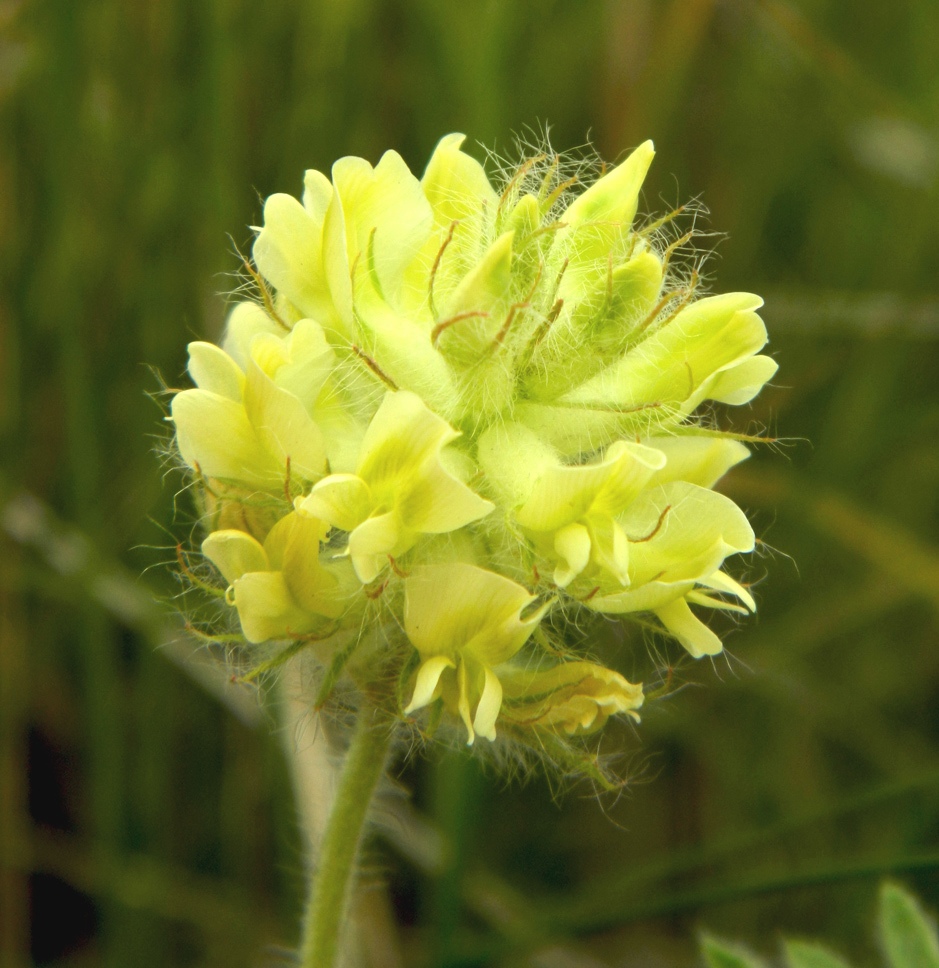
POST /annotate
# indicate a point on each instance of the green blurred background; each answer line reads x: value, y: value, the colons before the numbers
x: 146, y: 816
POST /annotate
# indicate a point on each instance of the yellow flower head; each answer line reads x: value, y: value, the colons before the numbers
x: 463, y: 405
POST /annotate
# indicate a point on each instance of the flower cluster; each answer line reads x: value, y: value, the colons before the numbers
x: 456, y: 410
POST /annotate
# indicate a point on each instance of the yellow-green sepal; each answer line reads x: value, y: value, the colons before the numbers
x: 604, y: 213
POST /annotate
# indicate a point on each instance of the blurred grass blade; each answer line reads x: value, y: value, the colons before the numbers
x: 872, y: 315
x: 832, y: 61
x: 613, y: 894
x: 722, y: 954
x: 908, y: 938
x: 802, y: 954
x: 888, y: 547
x: 618, y: 911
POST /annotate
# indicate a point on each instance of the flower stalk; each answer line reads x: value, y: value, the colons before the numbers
x: 328, y: 906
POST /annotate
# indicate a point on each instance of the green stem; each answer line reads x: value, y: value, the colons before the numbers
x: 327, y: 911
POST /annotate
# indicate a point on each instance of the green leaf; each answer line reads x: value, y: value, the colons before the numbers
x: 802, y: 954
x: 909, y: 939
x: 723, y: 954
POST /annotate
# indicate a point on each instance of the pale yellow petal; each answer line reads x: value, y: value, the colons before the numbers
x: 214, y: 434
x: 693, y: 634
x: 614, y: 197
x: 344, y: 500
x: 288, y: 253
x: 246, y: 321
x: 337, y: 265
x: 284, y: 426
x: 609, y: 546
x: 403, y: 435
x: 234, y: 553
x: 645, y: 598
x: 317, y: 193
x: 270, y: 352
x: 634, y: 288
x: 300, y: 364
x: 372, y: 542
x: 428, y: 677
x: 484, y: 287
x: 699, y: 460
x: 739, y: 383
x: 697, y: 597
x: 275, y: 544
x: 632, y: 466
x: 487, y: 709
x: 525, y: 217
x: 724, y: 583
x: 681, y: 531
x: 463, y: 701
x: 212, y: 369
x: 387, y: 217
x: 312, y: 587
x: 661, y: 379
x: 564, y: 494
x: 438, y: 503
x: 667, y: 369
x: 573, y: 545
x: 574, y: 697
x: 477, y: 309
x: 561, y: 496
x: 267, y: 609
x: 454, y: 608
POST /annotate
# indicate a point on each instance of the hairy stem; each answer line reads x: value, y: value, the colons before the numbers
x: 328, y: 908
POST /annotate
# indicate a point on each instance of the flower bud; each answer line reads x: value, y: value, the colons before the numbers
x: 573, y: 697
